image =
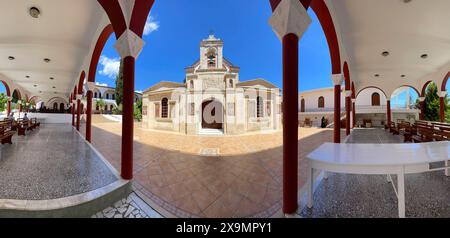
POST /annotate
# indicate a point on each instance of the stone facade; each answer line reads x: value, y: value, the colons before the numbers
x: 212, y: 99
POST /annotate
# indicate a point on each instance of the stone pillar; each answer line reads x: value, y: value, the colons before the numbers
x: 354, y: 111
x: 337, y: 81
x: 129, y: 45
x: 388, y: 112
x: 422, y: 108
x: 89, y: 94
x: 348, y: 104
x: 289, y: 21
x: 79, y: 96
x: 442, y: 105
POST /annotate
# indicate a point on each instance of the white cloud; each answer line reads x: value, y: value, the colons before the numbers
x: 139, y: 91
x: 151, y: 25
x: 110, y: 66
x: 101, y: 84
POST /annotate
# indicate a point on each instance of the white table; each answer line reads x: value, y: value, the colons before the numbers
x: 378, y: 159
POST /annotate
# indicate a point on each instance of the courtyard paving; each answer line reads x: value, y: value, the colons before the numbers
x: 244, y: 178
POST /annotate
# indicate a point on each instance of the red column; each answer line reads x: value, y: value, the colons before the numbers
x: 442, y: 108
x: 290, y: 123
x: 422, y: 108
x: 8, y: 108
x: 127, y: 118
x: 88, y: 115
x: 73, y: 113
x: 347, y: 112
x: 388, y: 113
x: 354, y: 112
x: 337, y: 80
x: 78, y: 113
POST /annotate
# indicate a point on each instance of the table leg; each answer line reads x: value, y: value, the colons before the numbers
x: 401, y: 194
x: 310, y: 187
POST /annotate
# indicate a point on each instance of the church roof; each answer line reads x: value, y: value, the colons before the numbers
x: 165, y: 84
x: 255, y: 82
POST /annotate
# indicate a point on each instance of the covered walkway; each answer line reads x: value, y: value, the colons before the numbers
x: 53, y: 167
x: 365, y: 196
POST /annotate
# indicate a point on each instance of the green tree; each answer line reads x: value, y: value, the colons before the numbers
x: 138, y: 110
x: 432, y: 103
x: 119, y: 86
x: 100, y: 103
x: 3, y: 102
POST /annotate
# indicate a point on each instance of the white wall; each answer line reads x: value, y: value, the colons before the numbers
x: 49, y: 118
x: 365, y: 97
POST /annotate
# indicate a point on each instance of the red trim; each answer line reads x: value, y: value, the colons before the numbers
x: 115, y: 15
x: 139, y: 17
x: 324, y: 16
x: 409, y: 86
x: 81, y: 82
x: 19, y: 95
x: 371, y: 87
x: 424, y: 88
x: 326, y: 21
x: 347, y: 77
x: 353, y: 90
x: 444, y: 83
x: 442, y: 109
x: 48, y: 102
x: 8, y: 91
x: 102, y: 39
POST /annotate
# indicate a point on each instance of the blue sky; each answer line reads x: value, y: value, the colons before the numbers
x: 176, y: 27
x: 179, y: 26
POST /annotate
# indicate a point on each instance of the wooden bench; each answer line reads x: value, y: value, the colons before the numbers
x: 393, y: 129
x: 5, y: 133
x: 424, y: 134
x: 22, y: 127
x: 405, y: 129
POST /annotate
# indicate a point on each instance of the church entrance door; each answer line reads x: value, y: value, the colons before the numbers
x: 212, y: 115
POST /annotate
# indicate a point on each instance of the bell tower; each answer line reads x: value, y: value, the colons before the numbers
x: 211, y: 53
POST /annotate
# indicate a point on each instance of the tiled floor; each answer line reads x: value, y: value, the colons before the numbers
x: 48, y: 163
x: 343, y: 195
x: 243, y: 181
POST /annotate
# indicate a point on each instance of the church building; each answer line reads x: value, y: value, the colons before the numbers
x: 212, y: 99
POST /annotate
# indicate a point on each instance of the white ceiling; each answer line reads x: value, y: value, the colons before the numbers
x: 407, y: 30
x: 63, y: 33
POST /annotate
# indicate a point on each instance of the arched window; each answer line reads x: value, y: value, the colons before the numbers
x: 321, y: 102
x: 164, y: 108
x: 376, y: 99
x: 111, y: 107
x: 106, y: 107
x: 113, y: 96
x: 99, y: 95
x: 231, y: 84
x: 107, y: 96
x: 211, y: 55
x: 95, y: 95
x: 61, y: 107
x: 259, y: 107
x: 302, y: 105
x: 191, y: 84
x: 55, y: 106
